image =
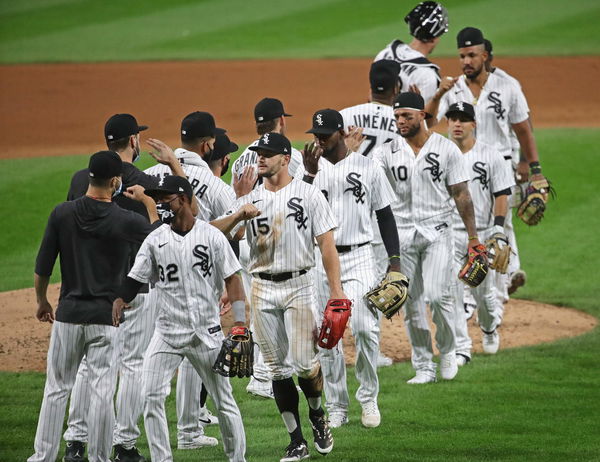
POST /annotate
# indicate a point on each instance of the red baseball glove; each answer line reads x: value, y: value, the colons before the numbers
x: 335, y: 319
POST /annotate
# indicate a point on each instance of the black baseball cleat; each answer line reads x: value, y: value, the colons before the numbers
x: 297, y: 450
x: 121, y: 454
x: 74, y: 452
x: 322, y: 434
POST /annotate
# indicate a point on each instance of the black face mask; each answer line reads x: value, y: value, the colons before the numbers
x: 225, y: 168
x: 165, y: 213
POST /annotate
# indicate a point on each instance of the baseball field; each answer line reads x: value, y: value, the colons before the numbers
x: 67, y: 65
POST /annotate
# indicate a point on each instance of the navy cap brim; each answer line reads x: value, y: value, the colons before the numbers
x: 220, y: 131
x: 323, y: 131
x: 459, y: 112
x: 141, y: 128
x: 159, y: 191
x: 267, y: 148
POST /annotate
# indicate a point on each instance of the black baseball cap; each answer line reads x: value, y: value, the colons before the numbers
x: 121, y: 126
x: 199, y: 125
x: 468, y: 37
x: 326, y: 122
x: 384, y: 75
x: 461, y: 108
x: 410, y: 100
x: 105, y: 164
x: 269, y: 109
x: 273, y: 142
x: 223, y: 146
x: 171, y: 185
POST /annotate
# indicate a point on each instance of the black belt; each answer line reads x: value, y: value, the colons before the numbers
x: 348, y: 248
x: 281, y: 276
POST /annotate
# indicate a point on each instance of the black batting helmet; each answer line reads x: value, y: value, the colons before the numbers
x: 427, y: 20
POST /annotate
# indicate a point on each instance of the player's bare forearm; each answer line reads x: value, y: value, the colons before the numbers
x: 331, y: 263
x: 226, y: 224
x: 526, y: 141
x: 464, y: 205
x: 151, y: 209
x: 44, y: 312
x: 237, y: 298
x: 501, y: 206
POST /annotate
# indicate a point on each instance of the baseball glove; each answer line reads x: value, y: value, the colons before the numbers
x: 389, y: 296
x: 498, y: 251
x: 475, y: 268
x: 236, y: 358
x: 334, y: 323
x: 532, y: 207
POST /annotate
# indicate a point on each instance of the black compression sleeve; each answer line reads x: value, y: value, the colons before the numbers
x: 504, y: 192
x: 235, y: 246
x: 389, y: 232
x: 129, y: 289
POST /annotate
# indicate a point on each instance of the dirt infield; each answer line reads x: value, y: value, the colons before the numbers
x: 24, y: 340
x: 61, y: 108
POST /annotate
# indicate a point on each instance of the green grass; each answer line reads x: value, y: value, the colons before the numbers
x: 529, y: 404
x: 113, y: 30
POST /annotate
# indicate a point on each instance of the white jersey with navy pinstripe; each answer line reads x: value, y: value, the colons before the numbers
x: 250, y: 158
x: 489, y: 174
x: 215, y: 196
x: 505, y: 75
x: 421, y: 182
x: 189, y: 271
x: 281, y: 238
x: 415, y: 68
x: 377, y: 121
x: 500, y: 105
x: 355, y: 187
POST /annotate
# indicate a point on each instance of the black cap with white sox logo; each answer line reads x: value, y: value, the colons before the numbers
x: 326, y: 122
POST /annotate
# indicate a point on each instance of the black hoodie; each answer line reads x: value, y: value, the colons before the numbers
x: 93, y: 239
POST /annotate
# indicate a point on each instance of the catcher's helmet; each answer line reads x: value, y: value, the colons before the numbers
x: 427, y: 20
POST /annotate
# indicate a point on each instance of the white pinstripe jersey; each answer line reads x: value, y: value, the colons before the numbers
x: 421, y: 182
x: 281, y: 238
x: 249, y: 157
x: 415, y: 68
x: 505, y: 75
x: 377, y: 121
x: 355, y: 187
x: 189, y: 271
x: 215, y: 196
x: 500, y: 104
x: 489, y: 173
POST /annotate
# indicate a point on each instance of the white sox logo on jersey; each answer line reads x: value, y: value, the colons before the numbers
x: 434, y: 168
x: 319, y: 119
x: 479, y: 168
x: 204, y: 263
x: 298, y: 212
x: 356, y: 188
x: 493, y: 97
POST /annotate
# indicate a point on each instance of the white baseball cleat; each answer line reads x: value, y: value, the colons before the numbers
x: 383, y: 360
x: 422, y: 377
x: 370, y: 415
x: 262, y: 389
x: 206, y: 417
x: 337, y: 419
x: 198, y: 442
x: 448, y: 366
x: 491, y: 342
x: 462, y: 359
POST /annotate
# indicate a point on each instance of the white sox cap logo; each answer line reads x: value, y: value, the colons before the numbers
x: 460, y: 106
x: 161, y: 181
x: 319, y: 119
x: 266, y: 138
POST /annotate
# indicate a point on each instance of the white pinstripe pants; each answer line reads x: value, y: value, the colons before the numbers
x: 430, y: 269
x: 160, y: 363
x: 283, y: 315
x: 68, y: 345
x: 358, y: 277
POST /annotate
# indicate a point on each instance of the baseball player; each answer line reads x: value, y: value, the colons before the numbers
x: 121, y: 133
x: 500, y: 107
x: 355, y: 187
x: 427, y: 171
x: 376, y: 118
x: 92, y: 235
x: 189, y: 260
x: 270, y: 117
x: 281, y: 240
x: 215, y: 197
x: 427, y: 22
x: 491, y: 180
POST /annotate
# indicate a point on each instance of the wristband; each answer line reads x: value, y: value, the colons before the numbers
x: 535, y: 168
x: 239, y: 311
x: 499, y: 220
x: 312, y: 175
x: 393, y: 256
x: 472, y: 238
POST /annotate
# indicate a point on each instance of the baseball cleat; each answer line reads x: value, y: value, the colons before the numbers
x: 322, y: 435
x: 422, y: 377
x: 337, y: 419
x: 198, y: 442
x: 383, y: 360
x: 262, y: 389
x: 297, y: 450
x: 74, y: 452
x: 462, y: 359
x: 206, y: 417
x: 122, y: 454
x: 517, y: 279
x: 448, y: 366
x: 370, y: 415
x: 491, y: 342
